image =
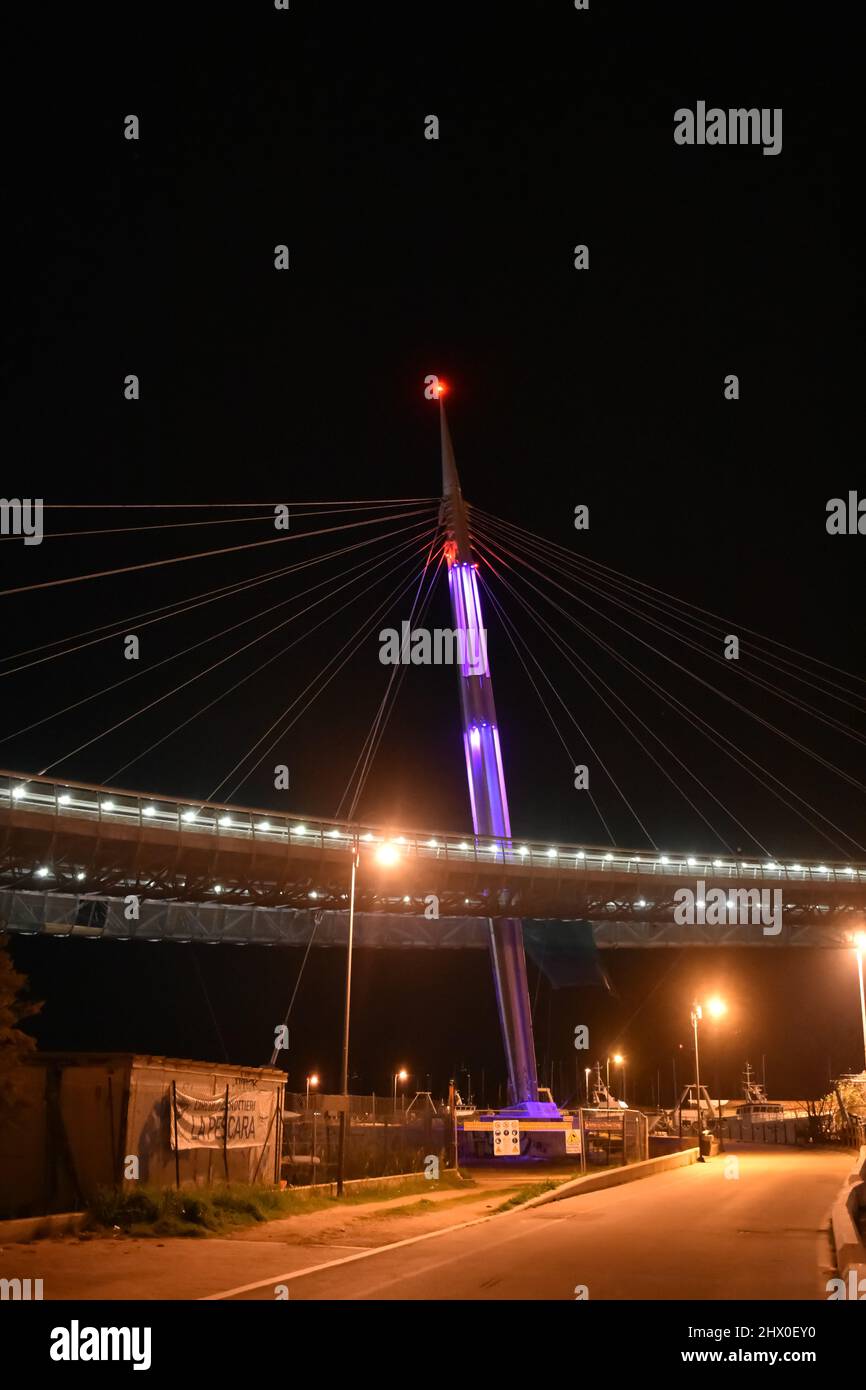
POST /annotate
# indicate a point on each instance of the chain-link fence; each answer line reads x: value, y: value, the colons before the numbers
x: 380, y: 1140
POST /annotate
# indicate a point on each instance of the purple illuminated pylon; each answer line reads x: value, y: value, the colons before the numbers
x: 487, y: 785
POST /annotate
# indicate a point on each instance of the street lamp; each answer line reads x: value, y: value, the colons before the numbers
x: 715, y: 1007
x: 386, y: 855
x: 400, y: 1075
x: 619, y: 1061
x: 311, y: 1081
x: 860, y: 944
x: 587, y: 1070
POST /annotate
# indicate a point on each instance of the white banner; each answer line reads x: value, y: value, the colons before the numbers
x: 201, y: 1120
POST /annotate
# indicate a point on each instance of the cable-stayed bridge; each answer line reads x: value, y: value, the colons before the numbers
x: 92, y: 859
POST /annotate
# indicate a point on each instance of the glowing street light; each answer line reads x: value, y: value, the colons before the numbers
x: 401, y: 1076
x: 618, y: 1060
x: 387, y: 855
x: 311, y: 1081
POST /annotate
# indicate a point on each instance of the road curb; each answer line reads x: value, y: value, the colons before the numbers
x: 26, y: 1228
x: 850, y: 1249
x: 614, y: 1177
x: 358, y: 1184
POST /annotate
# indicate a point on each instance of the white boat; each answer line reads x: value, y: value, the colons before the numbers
x: 462, y: 1109
x: 756, y: 1108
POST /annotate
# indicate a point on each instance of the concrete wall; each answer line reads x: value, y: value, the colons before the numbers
x: 23, y: 1146
x: 82, y: 1115
x: 63, y: 1140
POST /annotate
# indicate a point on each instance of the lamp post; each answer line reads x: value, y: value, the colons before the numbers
x: 715, y: 1007
x: 385, y: 855
x: 860, y: 944
x: 697, y: 1013
x: 311, y: 1081
x: 586, y: 1072
x: 401, y: 1075
x: 619, y: 1061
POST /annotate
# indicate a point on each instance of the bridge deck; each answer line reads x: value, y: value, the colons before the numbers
x: 75, y: 839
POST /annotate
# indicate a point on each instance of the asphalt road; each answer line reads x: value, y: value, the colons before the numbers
x: 755, y: 1228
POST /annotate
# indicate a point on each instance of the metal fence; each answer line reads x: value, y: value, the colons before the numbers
x: 822, y: 1128
x: 380, y: 1141
x: 767, y: 1131
x: 612, y: 1138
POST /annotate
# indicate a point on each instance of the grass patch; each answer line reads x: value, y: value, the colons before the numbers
x: 418, y: 1208
x: 165, y: 1211
x: 530, y: 1189
x: 221, y: 1208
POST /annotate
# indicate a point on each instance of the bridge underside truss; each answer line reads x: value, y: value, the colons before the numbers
x: 96, y: 916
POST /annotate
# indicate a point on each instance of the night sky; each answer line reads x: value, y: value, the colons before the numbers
x: 602, y: 387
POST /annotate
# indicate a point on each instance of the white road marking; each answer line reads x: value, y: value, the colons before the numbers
x: 363, y: 1255
x: 428, y: 1269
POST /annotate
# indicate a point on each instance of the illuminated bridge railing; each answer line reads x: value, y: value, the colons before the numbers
x: 117, y: 807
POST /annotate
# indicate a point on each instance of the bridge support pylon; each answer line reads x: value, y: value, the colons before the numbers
x: 486, y: 778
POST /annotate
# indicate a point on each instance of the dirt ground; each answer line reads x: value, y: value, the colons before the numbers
x: 114, y: 1265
